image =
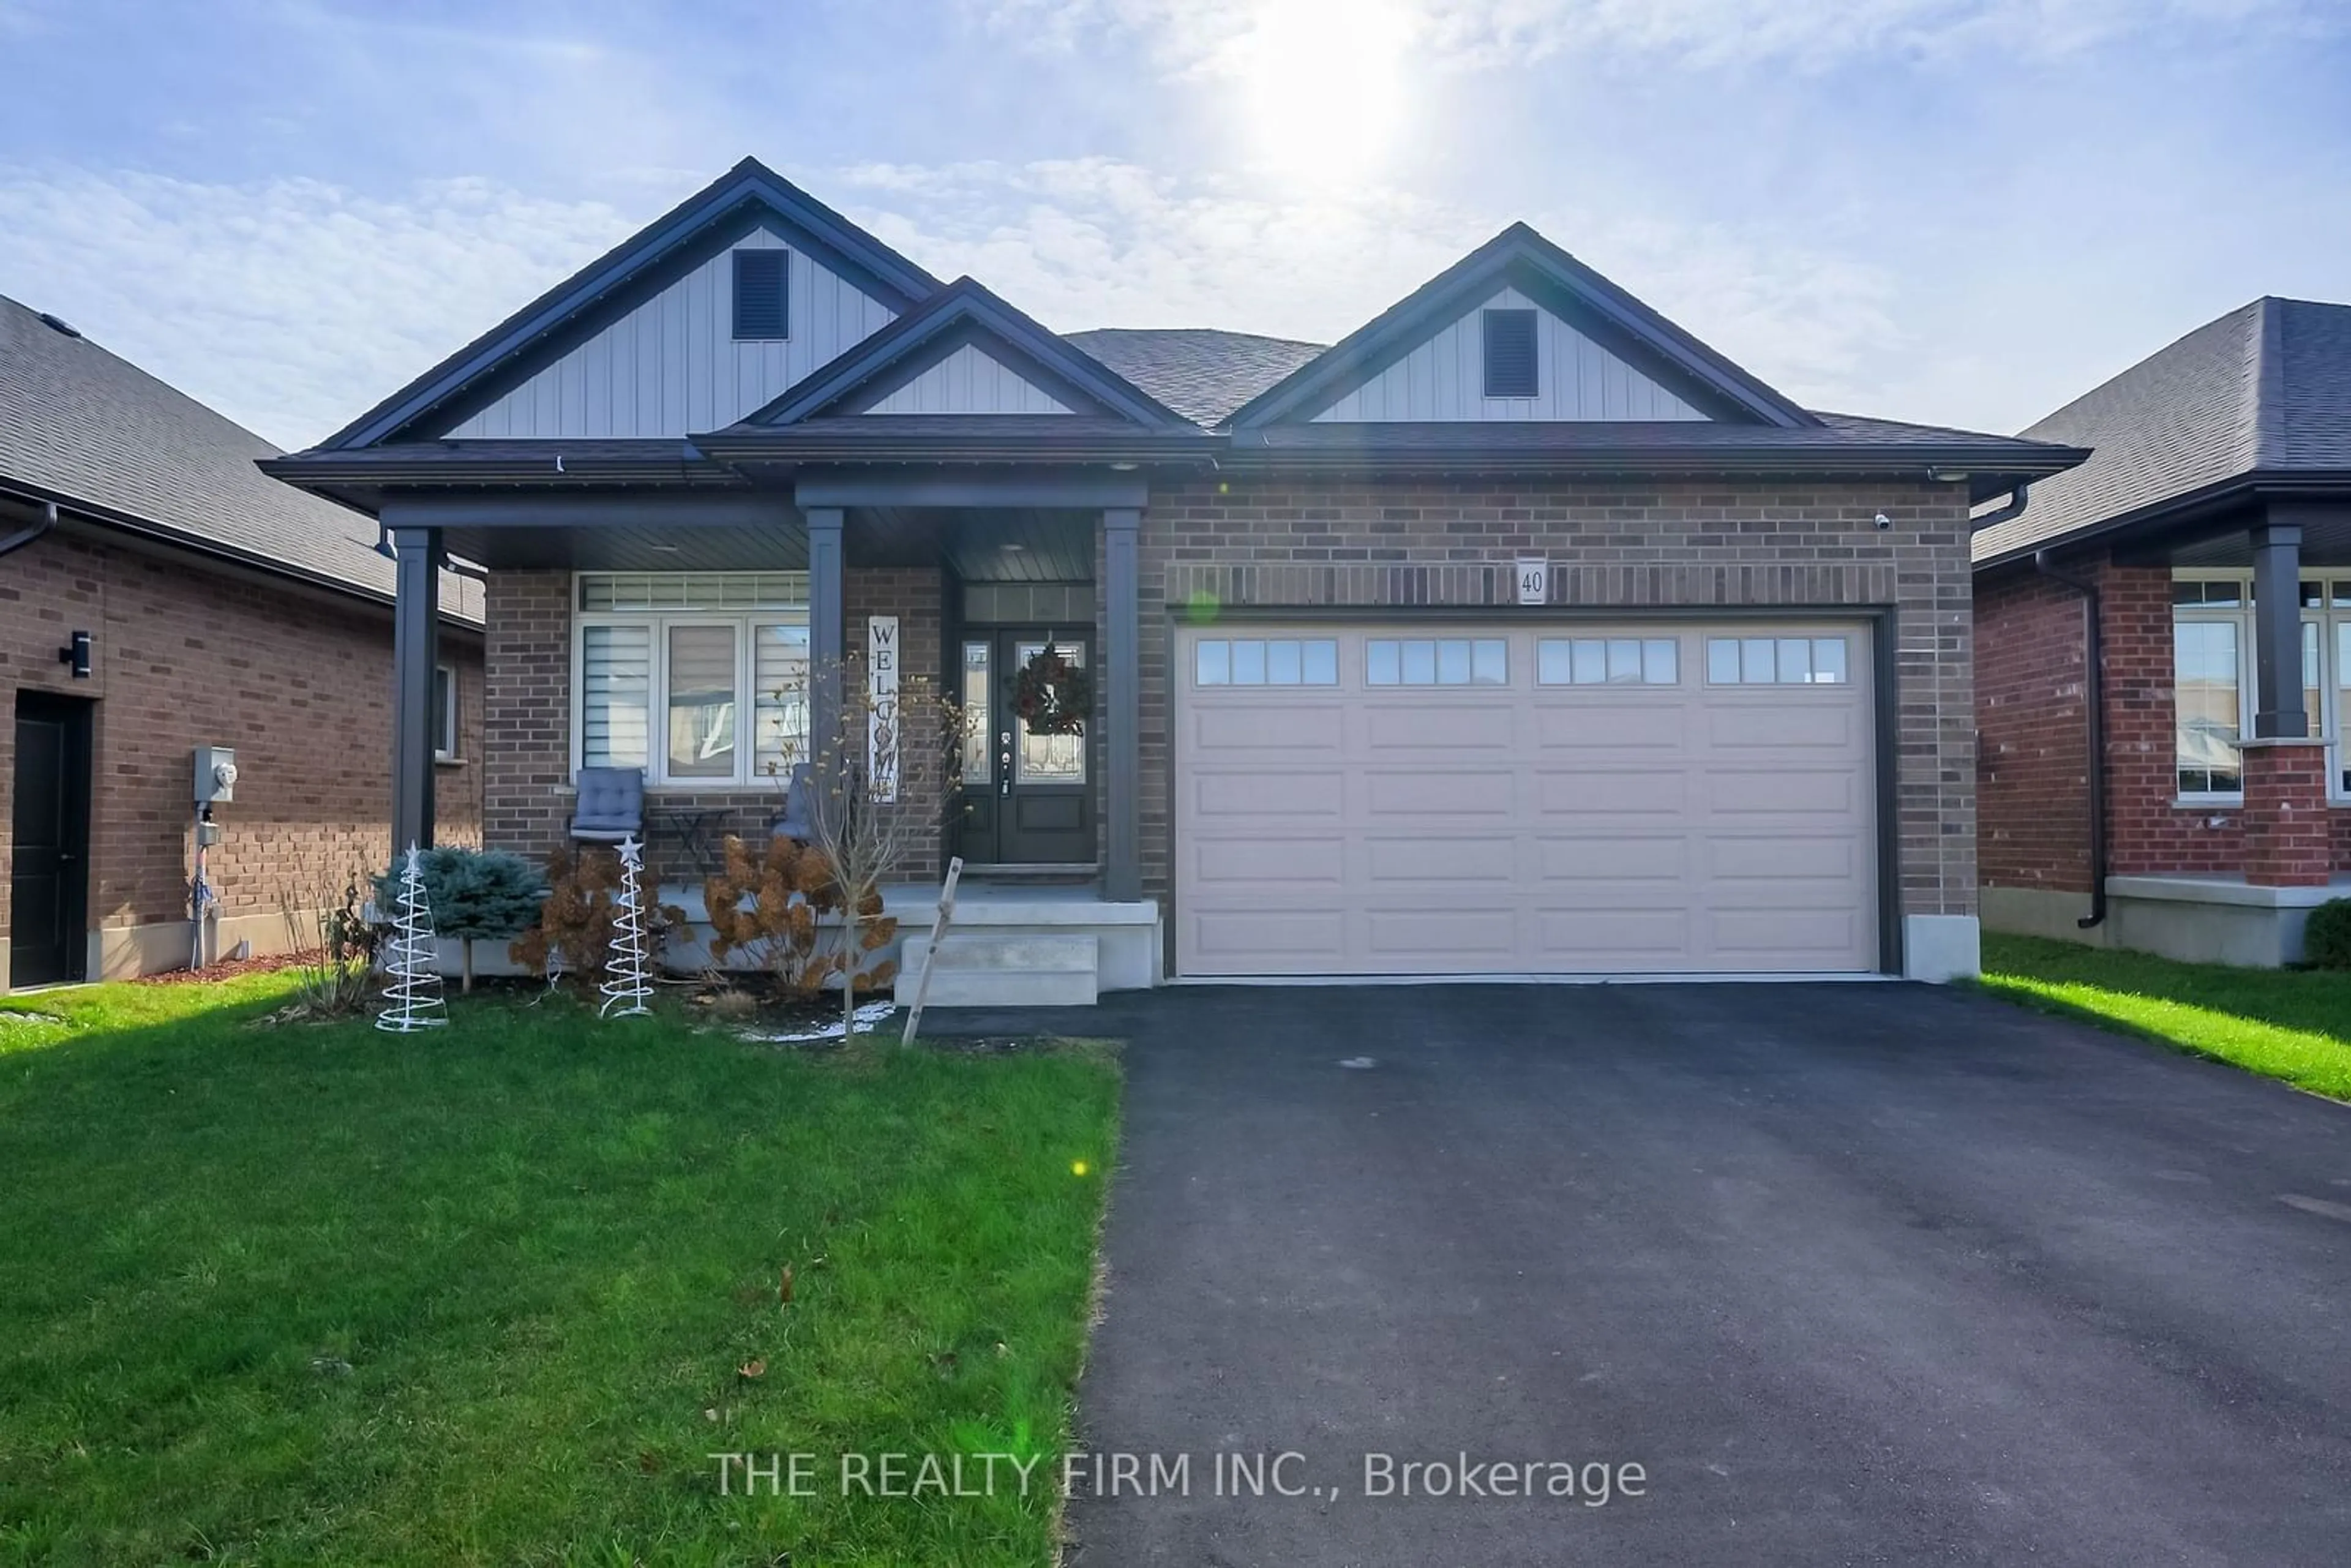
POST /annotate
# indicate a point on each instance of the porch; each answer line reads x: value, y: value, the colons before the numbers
x: 649, y: 631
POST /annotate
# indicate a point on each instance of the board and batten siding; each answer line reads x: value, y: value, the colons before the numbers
x: 672, y: 366
x: 970, y: 382
x: 1444, y: 379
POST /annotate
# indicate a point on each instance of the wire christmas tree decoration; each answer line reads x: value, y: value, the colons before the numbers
x: 625, y: 973
x: 411, y: 958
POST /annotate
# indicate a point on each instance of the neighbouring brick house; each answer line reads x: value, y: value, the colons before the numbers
x: 211, y: 606
x: 1517, y: 632
x: 2185, y: 790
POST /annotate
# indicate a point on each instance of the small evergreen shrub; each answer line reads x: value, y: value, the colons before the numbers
x: 474, y: 895
x: 2326, y: 940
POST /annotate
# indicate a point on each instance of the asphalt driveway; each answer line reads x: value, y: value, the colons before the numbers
x: 1857, y: 1273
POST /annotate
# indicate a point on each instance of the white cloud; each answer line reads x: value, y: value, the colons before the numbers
x: 1098, y: 243
x: 1221, y: 37
x: 288, y: 305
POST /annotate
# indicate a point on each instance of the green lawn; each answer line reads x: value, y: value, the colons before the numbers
x: 312, y: 1294
x: 2293, y: 1025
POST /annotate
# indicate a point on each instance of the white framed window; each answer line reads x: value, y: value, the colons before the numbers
x: 1607, y: 662
x: 1266, y: 662
x: 699, y: 678
x: 1778, y: 662
x: 2215, y: 682
x: 1436, y: 661
x: 445, y: 713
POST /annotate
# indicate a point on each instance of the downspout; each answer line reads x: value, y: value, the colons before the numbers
x: 2093, y: 701
x: 31, y: 532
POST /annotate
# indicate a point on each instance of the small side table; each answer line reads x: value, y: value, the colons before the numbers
x: 690, y: 827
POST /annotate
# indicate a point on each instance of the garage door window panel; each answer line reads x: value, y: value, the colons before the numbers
x: 1436, y: 661
x: 1607, y: 660
x: 1777, y: 661
x: 1266, y: 662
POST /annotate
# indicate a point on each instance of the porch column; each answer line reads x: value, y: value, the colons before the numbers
x: 415, y: 649
x: 2287, y: 843
x: 827, y: 624
x: 2277, y: 633
x: 1122, y: 717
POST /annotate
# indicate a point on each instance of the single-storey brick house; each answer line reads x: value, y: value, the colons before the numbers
x: 2163, y: 645
x: 1517, y: 632
x: 158, y: 593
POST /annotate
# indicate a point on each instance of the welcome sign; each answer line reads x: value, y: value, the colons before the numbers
x: 882, y: 705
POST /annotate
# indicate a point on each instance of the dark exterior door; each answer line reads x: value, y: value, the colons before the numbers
x: 1027, y: 799
x: 49, y: 876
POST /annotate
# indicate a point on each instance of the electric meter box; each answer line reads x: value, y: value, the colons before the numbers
x: 216, y: 775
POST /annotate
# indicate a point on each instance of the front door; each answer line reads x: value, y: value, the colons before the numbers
x: 1028, y: 797
x: 48, y: 877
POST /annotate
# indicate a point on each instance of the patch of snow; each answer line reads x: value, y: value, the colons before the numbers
x: 869, y: 1017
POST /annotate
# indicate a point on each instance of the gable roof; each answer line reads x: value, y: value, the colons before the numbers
x: 1522, y: 258
x: 2264, y: 391
x: 1200, y: 372
x: 102, y: 438
x: 962, y: 313
x: 631, y: 269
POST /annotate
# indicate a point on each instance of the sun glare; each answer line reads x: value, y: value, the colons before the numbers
x: 1323, y: 86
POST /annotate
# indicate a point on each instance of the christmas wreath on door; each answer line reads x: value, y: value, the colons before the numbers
x: 1053, y: 696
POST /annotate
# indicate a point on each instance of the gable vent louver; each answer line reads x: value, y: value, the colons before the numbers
x: 762, y: 293
x: 1511, y: 353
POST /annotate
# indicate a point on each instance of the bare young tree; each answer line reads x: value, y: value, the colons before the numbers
x: 881, y: 792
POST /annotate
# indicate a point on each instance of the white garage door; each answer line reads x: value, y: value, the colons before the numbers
x: 1466, y: 800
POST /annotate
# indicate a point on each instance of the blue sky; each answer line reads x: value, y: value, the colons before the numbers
x: 1954, y: 211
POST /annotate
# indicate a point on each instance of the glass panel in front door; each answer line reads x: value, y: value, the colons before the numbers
x: 1049, y: 759
x: 978, y: 713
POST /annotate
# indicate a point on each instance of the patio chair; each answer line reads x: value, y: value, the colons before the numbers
x: 611, y: 805
x: 799, y: 820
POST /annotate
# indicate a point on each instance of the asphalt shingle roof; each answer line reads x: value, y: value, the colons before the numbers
x: 1199, y: 372
x: 87, y: 426
x: 2266, y: 387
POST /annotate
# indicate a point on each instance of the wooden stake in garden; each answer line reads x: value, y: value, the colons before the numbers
x: 412, y: 959
x: 626, y: 985
x: 931, y: 954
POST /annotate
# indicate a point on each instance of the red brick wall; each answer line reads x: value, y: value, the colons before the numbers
x: 184, y: 654
x: 2285, y: 828
x: 2148, y: 832
x: 2035, y: 800
x: 1311, y: 543
x: 2032, y: 742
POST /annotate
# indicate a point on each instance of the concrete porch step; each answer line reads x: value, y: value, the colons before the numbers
x: 975, y: 970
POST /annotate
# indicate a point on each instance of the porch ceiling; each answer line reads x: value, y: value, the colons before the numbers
x: 1007, y: 545
x: 977, y: 546
x: 624, y: 547
x: 2325, y: 542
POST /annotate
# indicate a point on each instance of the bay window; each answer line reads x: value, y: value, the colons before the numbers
x: 2213, y: 694
x: 699, y: 678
